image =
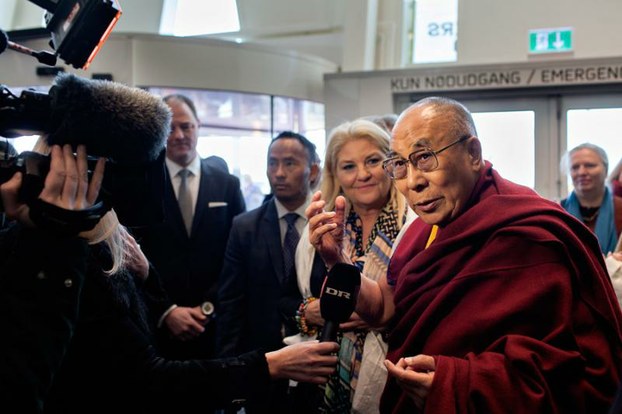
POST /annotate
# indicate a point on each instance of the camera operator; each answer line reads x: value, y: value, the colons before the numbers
x: 42, y: 272
x: 110, y: 361
x: 102, y: 357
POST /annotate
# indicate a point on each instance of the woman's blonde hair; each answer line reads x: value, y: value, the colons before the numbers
x: 340, y: 136
x: 107, y: 230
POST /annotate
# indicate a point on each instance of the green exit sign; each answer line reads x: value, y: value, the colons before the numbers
x: 550, y: 40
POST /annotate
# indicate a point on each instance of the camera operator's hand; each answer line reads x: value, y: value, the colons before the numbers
x: 66, y: 185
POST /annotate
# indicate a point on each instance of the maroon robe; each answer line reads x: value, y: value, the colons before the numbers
x: 513, y: 301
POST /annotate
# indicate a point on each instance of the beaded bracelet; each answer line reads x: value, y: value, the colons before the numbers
x: 301, y: 321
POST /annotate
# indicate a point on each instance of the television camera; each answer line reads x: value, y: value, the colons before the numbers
x: 126, y: 125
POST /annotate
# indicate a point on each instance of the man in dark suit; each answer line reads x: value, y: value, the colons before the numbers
x: 187, y: 248
x: 255, y: 273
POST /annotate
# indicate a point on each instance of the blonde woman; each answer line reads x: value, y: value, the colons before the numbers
x: 375, y: 212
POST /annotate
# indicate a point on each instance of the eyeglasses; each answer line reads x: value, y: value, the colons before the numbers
x: 425, y: 160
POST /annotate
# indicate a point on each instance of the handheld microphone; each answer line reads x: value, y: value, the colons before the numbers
x: 338, y: 299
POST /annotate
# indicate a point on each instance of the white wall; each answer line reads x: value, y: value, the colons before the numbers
x: 212, y: 64
x: 19, y: 14
x: 7, y: 10
x: 139, y: 16
x: 490, y: 31
x: 351, y: 96
x: 493, y: 31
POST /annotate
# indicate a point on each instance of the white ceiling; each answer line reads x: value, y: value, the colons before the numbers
x: 312, y: 27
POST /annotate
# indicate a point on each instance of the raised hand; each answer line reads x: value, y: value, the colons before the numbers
x: 327, y: 229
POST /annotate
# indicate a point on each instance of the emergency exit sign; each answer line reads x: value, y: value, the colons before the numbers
x: 550, y: 40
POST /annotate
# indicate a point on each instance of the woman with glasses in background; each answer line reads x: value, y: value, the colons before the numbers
x: 375, y: 212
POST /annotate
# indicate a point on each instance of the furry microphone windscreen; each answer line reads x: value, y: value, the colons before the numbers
x: 127, y: 125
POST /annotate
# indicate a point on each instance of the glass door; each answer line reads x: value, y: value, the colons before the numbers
x: 594, y: 119
x: 516, y: 138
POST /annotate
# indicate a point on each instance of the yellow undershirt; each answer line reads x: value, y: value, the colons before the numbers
x: 432, y: 236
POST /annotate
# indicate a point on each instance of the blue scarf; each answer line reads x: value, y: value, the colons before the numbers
x: 605, y: 225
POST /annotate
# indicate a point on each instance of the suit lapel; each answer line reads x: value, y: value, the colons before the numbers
x: 272, y: 233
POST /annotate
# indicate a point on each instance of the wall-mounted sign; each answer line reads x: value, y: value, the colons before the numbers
x: 550, y: 40
x: 520, y: 77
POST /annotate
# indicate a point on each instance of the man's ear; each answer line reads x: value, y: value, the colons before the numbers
x: 474, y: 148
x: 314, y: 175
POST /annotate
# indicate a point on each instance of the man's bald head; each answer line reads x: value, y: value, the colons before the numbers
x: 457, y: 116
x: 436, y: 138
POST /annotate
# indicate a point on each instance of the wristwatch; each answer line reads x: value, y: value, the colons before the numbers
x: 207, y: 308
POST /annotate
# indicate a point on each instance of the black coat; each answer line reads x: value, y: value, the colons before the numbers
x: 256, y: 299
x: 40, y: 282
x: 252, y: 288
x: 112, y: 365
x: 190, y: 266
x: 251, y: 284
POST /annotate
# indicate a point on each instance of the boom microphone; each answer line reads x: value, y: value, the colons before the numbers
x: 124, y: 124
x: 338, y: 299
x: 129, y: 126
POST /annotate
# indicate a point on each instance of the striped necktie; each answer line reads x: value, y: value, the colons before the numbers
x: 289, y: 244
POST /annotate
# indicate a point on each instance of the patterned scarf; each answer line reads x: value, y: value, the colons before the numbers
x: 373, y: 261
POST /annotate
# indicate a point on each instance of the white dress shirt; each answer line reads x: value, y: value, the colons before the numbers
x: 281, y: 211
